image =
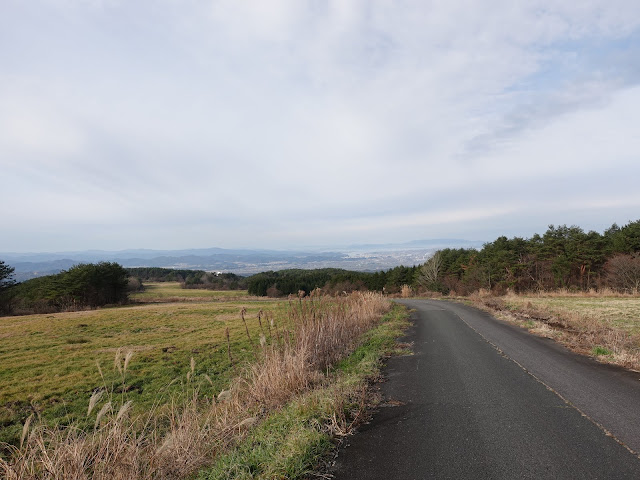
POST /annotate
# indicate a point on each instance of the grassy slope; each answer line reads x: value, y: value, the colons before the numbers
x: 49, y: 361
x: 290, y: 442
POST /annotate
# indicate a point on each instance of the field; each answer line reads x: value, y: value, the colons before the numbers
x: 618, y: 312
x: 170, y: 390
x: 172, y: 292
x: 604, y: 326
x: 50, y: 362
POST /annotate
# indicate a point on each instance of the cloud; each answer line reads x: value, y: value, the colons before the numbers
x: 215, y: 121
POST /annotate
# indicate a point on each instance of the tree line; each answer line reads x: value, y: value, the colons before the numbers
x: 562, y: 257
x: 189, y: 278
x: 330, y: 280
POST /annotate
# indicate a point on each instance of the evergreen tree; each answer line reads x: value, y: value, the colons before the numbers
x: 6, y: 282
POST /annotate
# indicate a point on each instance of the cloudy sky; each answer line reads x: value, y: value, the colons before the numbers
x: 278, y: 124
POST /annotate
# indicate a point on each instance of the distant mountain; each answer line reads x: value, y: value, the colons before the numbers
x: 27, y: 270
x: 371, y: 257
x: 430, y: 243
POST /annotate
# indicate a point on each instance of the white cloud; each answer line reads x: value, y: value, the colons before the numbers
x: 229, y: 118
x: 31, y: 127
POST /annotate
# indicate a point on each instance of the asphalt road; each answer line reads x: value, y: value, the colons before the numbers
x: 483, y: 399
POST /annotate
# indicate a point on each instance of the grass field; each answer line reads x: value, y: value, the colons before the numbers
x: 171, y: 291
x: 48, y: 363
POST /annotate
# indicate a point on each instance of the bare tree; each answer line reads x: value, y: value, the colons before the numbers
x: 429, y: 273
x: 623, y: 272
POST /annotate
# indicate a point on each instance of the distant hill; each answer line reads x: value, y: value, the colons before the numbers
x: 372, y: 257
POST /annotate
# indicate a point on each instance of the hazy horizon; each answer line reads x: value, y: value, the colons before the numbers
x: 418, y: 244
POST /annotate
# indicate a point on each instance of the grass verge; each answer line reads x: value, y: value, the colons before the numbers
x: 604, y: 327
x: 291, y: 442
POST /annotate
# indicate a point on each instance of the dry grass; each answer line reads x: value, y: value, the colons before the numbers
x: 406, y: 291
x: 321, y: 332
x: 603, y: 324
x: 174, y: 441
x: 591, y: 293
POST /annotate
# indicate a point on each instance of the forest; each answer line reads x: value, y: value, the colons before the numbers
x: 561, y: 258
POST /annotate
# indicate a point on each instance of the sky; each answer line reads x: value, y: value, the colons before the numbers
x: 171, y: 124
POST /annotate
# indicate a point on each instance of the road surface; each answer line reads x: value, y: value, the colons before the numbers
x: 483, y: 399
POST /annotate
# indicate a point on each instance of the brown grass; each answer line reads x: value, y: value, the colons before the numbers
x: 591, y: 293
x: 406, y: 291
x: 174, y: 441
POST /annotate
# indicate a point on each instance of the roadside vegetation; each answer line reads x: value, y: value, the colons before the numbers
x: 294, y: 441
x: 167, y: 390
x: 604, y: 325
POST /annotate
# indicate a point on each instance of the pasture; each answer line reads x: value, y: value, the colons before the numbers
x: 172, y: 292
x: 52, y: 363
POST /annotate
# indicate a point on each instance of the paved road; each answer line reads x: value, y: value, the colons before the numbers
x: 483, y: 399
